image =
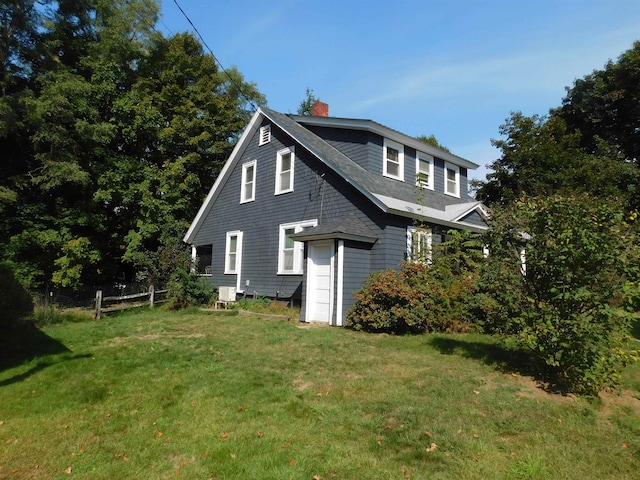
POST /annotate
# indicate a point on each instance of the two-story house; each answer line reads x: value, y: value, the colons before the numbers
x: 306, y: 207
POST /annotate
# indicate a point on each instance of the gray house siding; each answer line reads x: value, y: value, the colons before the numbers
x: 327, y: 187
x: 357, y: 268
x: 353, y: 143
x: 474, y: 218
x: 319, y: 194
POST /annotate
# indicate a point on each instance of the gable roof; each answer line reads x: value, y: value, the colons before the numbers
x: 390, y: 196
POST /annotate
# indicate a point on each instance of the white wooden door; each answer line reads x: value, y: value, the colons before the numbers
x: 320, y: 282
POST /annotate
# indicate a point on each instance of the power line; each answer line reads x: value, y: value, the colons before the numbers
x: 231, y: 79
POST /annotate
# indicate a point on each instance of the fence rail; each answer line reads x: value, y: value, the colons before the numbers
x: 124, y: 302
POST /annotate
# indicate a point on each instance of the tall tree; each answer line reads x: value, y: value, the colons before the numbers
x: 115, y: 138
x: 605, y: 106
x: 589, y: 144
x: 541, y: 156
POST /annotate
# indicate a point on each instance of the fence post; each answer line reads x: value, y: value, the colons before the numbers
x: 152, y: 295
x: 98, y: 304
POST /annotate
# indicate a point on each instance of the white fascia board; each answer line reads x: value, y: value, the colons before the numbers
x: 386, y: 132
x: 237, y: 150
x: 461, y: 210
x: 449, y: 217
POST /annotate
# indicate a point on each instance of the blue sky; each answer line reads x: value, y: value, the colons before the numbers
x: 454, y: 69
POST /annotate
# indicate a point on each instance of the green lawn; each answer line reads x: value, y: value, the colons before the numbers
x: 198, y: 395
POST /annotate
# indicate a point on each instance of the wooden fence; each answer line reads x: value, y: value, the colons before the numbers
x: 124, y: 302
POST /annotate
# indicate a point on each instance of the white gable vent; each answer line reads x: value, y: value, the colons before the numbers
x: 265, y: 135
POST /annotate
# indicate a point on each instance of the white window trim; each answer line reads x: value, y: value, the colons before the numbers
x: 413, y: 232
x: 400, y: 149
x: 451, y: 166
x: 298, y: 248
x: 425, y: 158
x: 233, y: 269
x: 265, y: 135
x: 280, y: 154
x: 245, y: 180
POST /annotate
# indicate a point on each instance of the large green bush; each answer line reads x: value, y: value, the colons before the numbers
x: 186, y: 289
x: 571, y: 302
x: 421, y: 296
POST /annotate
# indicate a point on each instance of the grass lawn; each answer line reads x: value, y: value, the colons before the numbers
x: 199, y: 395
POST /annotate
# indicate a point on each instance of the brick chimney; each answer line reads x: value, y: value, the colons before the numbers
x: 320, y: 109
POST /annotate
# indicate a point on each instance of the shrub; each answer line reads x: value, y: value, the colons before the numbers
x: 186, y: 289
x: 419, y: 298
x: 572, y: 306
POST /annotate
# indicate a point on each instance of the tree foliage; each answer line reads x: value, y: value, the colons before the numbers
x: 306, y: 105
x: 590, y: 144
x: 112, y: 135
x: 570, y: 304
x: 433, y: 141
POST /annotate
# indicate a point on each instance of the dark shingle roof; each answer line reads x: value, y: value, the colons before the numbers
x: 346, y: 227
x: 367, y: 182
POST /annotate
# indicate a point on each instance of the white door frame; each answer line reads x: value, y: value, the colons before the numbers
x: 312, y: 280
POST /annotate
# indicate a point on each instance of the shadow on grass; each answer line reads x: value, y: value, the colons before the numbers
x: 37, y: 368
x: 24, y: 341
x: 504, y: 359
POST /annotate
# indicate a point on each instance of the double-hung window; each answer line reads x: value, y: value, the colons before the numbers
x: 424, y: 170
x: 451, y: 179
x: 419, y: 244
x: 393, y: 161
x: 233, y: 253
x: 248, y: 187
x: 284, y: 170
x: 290, y: 253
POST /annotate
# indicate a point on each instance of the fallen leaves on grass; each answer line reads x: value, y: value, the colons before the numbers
x: 224, y: 435
x: 432, y: 448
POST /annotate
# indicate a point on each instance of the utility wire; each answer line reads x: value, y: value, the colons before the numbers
x: 231, y: 79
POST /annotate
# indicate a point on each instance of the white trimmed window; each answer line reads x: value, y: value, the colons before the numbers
x: 451, y: 179
x: 424, y: 170
x: 265, y: 135
x: 419, y: 244
x: 248, y: 187
x: 393, y: 161
x: 284, y: 170
x: 233, y: 253
x: 290, y: 252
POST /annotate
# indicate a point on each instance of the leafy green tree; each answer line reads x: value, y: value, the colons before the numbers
x: 433, y: 141
x: 541, y: 156
x: 112, y: 135
x: 568, y: 304
x: 306, y: 105
x: 605, y: 106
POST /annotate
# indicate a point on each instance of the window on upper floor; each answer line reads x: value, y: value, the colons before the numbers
x: 248, y: 187
x: 233, y: 252
x: 393, y: 161
x: 290, y: 252
x: 451, y: 179
x: 424, y: 170
x: 284, y: 170
x: 419, y: 244
x: 265, y: 135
